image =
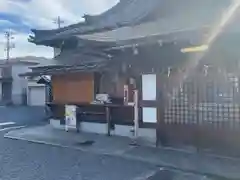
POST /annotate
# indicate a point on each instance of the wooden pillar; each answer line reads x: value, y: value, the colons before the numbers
x: 108, y: 117
x: 160, y: 111
x: 136, y: 114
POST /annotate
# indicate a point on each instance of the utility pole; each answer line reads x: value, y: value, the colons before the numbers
x: 58, y: 21
x: 9, y: 45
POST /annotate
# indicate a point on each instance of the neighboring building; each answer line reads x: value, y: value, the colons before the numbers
x: 13, y: 87
x: 142, y: 46
x: 38, y: 91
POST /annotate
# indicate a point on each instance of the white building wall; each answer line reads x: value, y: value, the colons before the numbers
x: 19, y: 85
x: 0, y: 91
x: 0, y: 85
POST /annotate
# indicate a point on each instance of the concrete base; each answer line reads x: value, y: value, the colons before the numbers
x: 148, y: 134
x: 144, y: 133
x: 55, y: 123
x: 93, y: 128
x: 120, y: 130
x: 84, y: 127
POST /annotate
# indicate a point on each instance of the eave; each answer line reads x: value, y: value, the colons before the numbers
x: 96, y: 67
x: 125, y: 13
x: 163, y: 22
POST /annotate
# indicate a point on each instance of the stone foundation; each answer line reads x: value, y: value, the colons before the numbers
x: 120, y: 130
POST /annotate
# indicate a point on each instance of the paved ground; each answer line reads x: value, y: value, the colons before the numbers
x: 22, y: 160
x: 213, y: 167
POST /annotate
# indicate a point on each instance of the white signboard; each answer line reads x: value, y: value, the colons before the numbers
x: 70, y: 117
x: 149, y: 87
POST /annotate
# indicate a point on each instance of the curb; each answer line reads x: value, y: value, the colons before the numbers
x: 62, y: 146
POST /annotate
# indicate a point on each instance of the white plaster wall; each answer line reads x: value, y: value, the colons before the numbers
x: 0, y: 91
x: 0, y: 85
x: 0, y: 72
x: 19, y: 85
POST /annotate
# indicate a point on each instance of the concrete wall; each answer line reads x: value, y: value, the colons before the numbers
x: 0, y: 91
x: 19, y: 85
x: 0, y: 85
x: 1, y: 76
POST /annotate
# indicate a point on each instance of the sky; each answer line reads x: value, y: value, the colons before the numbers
x: 20, y: 16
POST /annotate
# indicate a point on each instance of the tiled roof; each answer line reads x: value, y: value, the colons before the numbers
x: 73, y: 60
x: 27, y: 60
x: 126, y: 12
x: 160, y: 27
x: 79, y: 56
x: 87, y: 67
x: 192, y: 23
x: 129, y: 19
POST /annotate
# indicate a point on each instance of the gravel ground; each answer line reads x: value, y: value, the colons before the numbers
x: 20, y: 160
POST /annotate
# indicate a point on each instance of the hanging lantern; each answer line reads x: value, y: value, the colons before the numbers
x: 169, y: 71
x: 205, y: 70
x: 181, y: 87
x: 126, y: 94
x: 160, y: 43
x: 135, y: 50
x: 124, y: 67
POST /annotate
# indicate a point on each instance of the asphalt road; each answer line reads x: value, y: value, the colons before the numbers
x: 21, y: 160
